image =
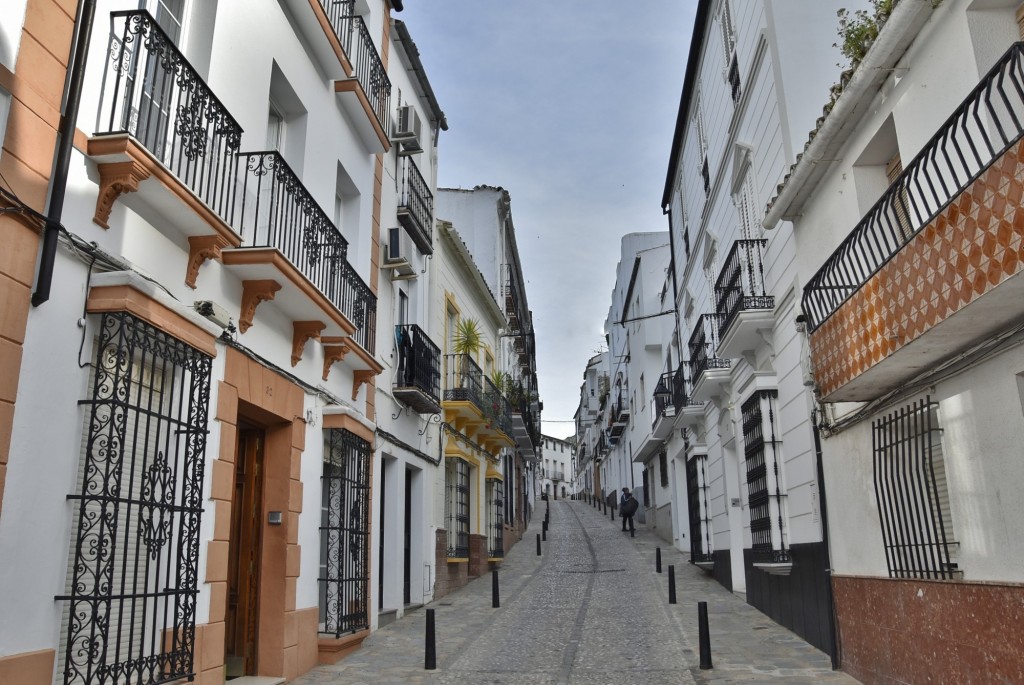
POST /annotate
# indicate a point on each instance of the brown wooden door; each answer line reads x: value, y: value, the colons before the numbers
x: 244, y: 556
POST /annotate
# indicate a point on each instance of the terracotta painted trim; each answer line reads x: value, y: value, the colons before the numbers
x: 333, y: 354
x: 200, y: 249
x: 333, y: 650
x: 266, y: 392
x: 269, y: 255
x: 348, y: 423
x: 352, y: 85
x: 28, y: 668
x: 122, y: 148
x: 303, y: 332
x: 124, y: 298
x: 253, y: 294
x: 116, y: 179
x: 359, y: 379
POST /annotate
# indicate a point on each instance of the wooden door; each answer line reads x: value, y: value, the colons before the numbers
x: 242, y: 618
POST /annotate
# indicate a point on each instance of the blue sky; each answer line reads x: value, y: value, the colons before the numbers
x: 570, y: 106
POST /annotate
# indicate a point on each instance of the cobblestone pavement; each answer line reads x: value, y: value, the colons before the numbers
x: 591, y: 610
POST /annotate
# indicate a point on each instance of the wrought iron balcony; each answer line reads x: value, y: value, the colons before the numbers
x: 465, y: 380
x: 948, y: 222
x: 153, y: 96
x: 497, y: 407
x: 418, y: 382
x: 706, y: 368
x: 274, y: 209
x: 664, y: 404
x: 416, y: 206
x: 366, y: 95
x: 688, y: 411
x: 620, y: 413
x: 359, y: 304
x: 984, y: 127
x: 741, y: 299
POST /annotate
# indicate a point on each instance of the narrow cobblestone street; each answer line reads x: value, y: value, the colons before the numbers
x: 590, y: 610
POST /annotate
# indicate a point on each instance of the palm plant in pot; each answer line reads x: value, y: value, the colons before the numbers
x: 467, y: 339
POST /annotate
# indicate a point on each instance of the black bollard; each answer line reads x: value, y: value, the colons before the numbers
x: 671, y: 584
x: 657, y: 559
x: 495, y: 596
x: 605, y: 502
x: 613, y: 513
x: 544, y: 525
x: 430, y: 655
x: 544, y: 534
x: 705, y: 636
x: 538, y: 544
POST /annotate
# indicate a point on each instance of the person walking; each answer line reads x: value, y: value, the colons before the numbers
x: 627, y: 507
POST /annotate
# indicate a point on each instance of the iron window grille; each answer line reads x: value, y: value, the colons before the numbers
x: 764, y: 479
x: 344, y: 533
x: 663, y: 468
x: 496, y: 524
x: 699, y: 508
x: 457, y: 507
x: 912, y: 494
x: 131, y: 599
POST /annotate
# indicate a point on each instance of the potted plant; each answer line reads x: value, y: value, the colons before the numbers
x: 466, y: 342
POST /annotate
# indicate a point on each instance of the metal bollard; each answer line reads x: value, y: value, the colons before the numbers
x: 657, y: 559
x: 495, y: 595
x: 538, y: 544
x: 430, y: 653
x: 544, y: 534
x: 671, y: 584
x: 613, y: 513
x: 705, y: 636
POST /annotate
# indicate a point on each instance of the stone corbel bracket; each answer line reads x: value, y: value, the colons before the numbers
x: 359, y: 379
x: 334, y: 353
x: 201, y: 248
x: 253, y: 293
x: 116, y: 179
x: 303, y: 332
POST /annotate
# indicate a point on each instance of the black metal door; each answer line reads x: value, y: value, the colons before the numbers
x: 380, y: 537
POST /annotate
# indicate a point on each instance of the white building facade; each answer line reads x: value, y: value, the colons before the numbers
x: 556, y: 468
x: 906, y: 210
x: 217, y: 308
x: 746, y: 464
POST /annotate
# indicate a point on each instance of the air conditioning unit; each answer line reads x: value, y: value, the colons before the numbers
x: 398, y: 254
x: 408, y: 130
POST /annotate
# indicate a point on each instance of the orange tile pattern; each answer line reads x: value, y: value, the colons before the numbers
x: 972, y: 246
x: 925, y: 631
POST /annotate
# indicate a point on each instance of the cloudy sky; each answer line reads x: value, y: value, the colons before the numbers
x: 570, y: 106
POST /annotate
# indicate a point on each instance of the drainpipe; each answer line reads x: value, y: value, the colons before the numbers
x: 829, y: 598
x: 62, y: 154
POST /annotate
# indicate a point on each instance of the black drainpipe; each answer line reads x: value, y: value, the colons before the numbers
x: 829, y: 597
x: 62, y: 156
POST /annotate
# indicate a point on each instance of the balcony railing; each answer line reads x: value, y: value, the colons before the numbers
x: 681, y: 388
x: 497, y: 407
x: 369, y: 70
x: 419, y: 362
x: 359, y: 304
x: 983, y: 127
x: 702, y: 345
x: 740, y: 285
x: 275, y: 210
x: 465, y: 380
x: 153, y: 94
x: 661, y: 404
x: 416, y: 206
